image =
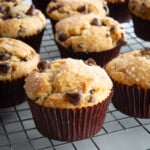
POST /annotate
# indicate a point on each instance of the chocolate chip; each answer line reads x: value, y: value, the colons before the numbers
x: 107, y: 35
x: 91, y: 99
x: 31, y: 11
x: 92, y: 91
x: 43, y: 65
x: 90, y: 62
x: 121, y: 42
x: 95, y: 22
x: 4, y: 67
x: 62, y: 36
x: 4, y: 56
x: 4, y: 9
x: 80, y: 45
x: 112, y: 28
x: 83, y: 9
x: 51, y: 9
x: 74, y: 97
x: 104, y: 24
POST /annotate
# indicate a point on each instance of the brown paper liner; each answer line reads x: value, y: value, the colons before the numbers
x: 12, y: 93
x: 41, y: 5
x: 141, y: 27
x: 34, y: 41
x: 119, y: 11
x: 69, y: 124
x: 132, y: 100
x: 101, y: 58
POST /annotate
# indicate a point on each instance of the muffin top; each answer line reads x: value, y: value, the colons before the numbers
x: 140, y: 8
x: 17, y: 59
x: 68, y: 83
x: 132, y: 68
x: 59, y: 9
x: 89, y: 33
x: 20, y: 20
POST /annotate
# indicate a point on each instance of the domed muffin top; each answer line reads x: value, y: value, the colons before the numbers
x: 68, y: 83
x: 132, y: 68
x: 17, y: 59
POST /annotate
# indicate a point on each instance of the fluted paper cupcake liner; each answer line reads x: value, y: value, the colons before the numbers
x: 141, y: 27
x: 69, y: 124
x: 101, y: 58
x: 34, y: 41
x: 12, y: 93
x: 119, y: 11
x: 132, y: 100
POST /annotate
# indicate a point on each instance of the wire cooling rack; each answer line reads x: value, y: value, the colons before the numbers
x: 119, y: 132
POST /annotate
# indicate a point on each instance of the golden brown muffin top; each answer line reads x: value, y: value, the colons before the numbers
x: 132, y: 68
x: 89, y: 33
x: 60, y: 9
x: 20, y: 20
x: 68, y: 83
x: 140, y: 8
x: 17, y: 59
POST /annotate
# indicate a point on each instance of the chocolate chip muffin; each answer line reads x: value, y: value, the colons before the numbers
x: 22, y: 22
x: 89, y: 36
x: 60, y: 9
x: 68, y: 98
x: 130, y: 73
x: 118, y: 9
x: 140, y: 11
x: 17, y: 60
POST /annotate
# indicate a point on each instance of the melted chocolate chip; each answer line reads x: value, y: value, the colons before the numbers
x: 92, y: 91
x: 83, y: 9
x: 91, y: 99
x: 52, y: 9
x: 31, y: 11
x: 62, y: 36
x: 121, y: 42
x: 4, y: 9
x: 4, y: 56
x: 4, y: 67
x: 90, y: 62
x: 95, y: 22
x: 80, y: 45
x: 112, y: 28
x: 43, y: 65
x: 104, y: 24
x: 74, y: 98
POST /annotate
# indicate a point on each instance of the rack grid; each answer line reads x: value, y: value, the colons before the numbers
x: 119, y: 132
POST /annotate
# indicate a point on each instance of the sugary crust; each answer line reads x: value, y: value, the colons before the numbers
x: 60, y: 9
x: 22, y: 59
x: 132, y: 68
x: 140, y: 8
x: 49, y: 88
x: 89, y: 33
x: 16, y: 22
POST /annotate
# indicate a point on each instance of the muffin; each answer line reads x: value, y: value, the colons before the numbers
x: 60, y: 9
x: 68, y: 98
x: 140, y: 11
x: 118, y: 9
x: 22, y: 22
x: 41, y: 5
x: 89, y: 36
x: 130, y: 73
x: 17, y: 60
